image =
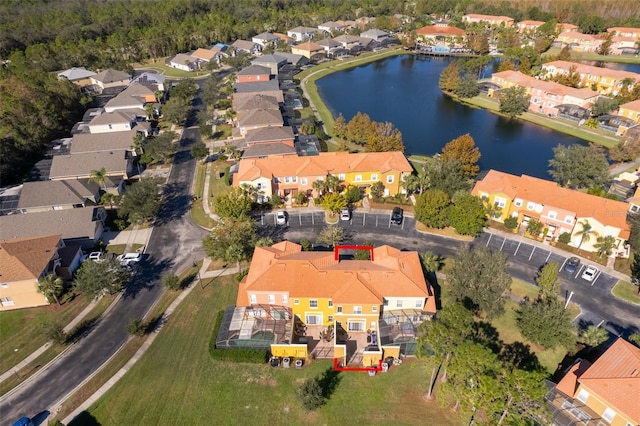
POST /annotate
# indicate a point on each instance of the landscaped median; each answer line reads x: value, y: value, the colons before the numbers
x: 627, y: 291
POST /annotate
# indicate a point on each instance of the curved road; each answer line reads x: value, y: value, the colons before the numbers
x: 174, y: 244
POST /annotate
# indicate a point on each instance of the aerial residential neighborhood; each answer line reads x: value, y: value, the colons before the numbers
x: 320, y: 212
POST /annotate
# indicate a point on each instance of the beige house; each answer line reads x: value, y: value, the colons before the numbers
x: 307, y: 49
x: 22, y: 263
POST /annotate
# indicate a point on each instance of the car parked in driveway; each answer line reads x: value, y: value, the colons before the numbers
x: 97, y: 256
x: 397, y: 214
x: 129, y: 259
x: 281, y: 217
x: 589, y: 273
x: 345, y: 214
x: 572, y: 265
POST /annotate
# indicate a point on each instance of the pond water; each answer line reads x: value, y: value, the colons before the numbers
x: 404, y: 90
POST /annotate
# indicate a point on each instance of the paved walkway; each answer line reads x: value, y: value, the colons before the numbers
x: 136, y: 236
x: 204, y: 273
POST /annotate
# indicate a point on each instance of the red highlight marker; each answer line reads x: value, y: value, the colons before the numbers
x: 337, y: 367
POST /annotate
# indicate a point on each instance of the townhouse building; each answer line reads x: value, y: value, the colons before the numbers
x: 493, y: 20
x: 604, y: 80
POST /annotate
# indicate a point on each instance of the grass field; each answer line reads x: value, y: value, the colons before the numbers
x: 177, y: 382
x: 197, y: 211
x: 161, y: 68
x: 626, y: 291
x: 590, y: 56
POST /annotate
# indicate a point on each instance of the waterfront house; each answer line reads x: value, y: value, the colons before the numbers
x: 546, y: 97
x: 604, y: 80
x: 287, y: 176
x: 329, y: 44
x: 308, y: 49
x: 440, y: 34
x: 621, y: 45
x: 528, y: 25
x: 630, y: 110
x: 625, y: 32
x: 270, y: 135
x: 24, y: 261
x: 258, y: 118
x: 244, y: 91
x: 605, y: 392
x: 253, y: 73
x: 580, y: 42
x: 492, y: 20
x: 302, y: 33
x: 371, y: 306
x: 251, y: 101
x: 561, y: 210
x: 347, y: 41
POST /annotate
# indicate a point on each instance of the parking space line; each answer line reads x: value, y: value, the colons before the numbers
x: 517, y: 248
x: 489, y: 240
x: 579, y: 270
x: 503, y: 241
x: 376, y: 221
x: 364, y: 215
x: 532, y: 251
x: 300, y: 218
x: 313, y: 218
x: 562, y: 266
x: 548, y: 256
x: 596, y: 277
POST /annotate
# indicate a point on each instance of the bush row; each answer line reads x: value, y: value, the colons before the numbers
x: 234, y: 355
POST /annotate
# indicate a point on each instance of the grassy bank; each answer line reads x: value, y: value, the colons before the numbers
x: 596, y: 136
x: 626, y: 291
x: 308, y: 78
x: 590, y: 56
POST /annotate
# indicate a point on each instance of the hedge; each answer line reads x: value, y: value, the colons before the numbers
x: 234, y: 355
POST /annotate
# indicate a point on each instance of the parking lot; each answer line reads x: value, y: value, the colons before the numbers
x: 358, y: 220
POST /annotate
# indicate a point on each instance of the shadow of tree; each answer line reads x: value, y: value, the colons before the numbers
x: 84, y: 419
x: 328, y: 382
x: 519, y: 355
x: 487, y: 335
x: 81, y: 330
x: 147, y: 275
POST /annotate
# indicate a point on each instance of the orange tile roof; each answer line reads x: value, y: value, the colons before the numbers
x: 321, y: 165
x: 633, y: 106
x: 285, y: 267
x: 578, y: 36
x: 528, y: 22
x: 606, y: 211
x: 591, y: 70
x: 615, y: 377
x: 547, y: 86
x: 436, y: 30
x: 308, y: 46
x: 26, y: 258
x: 569, y: 383
x: 488, y: 18
x: 205, y: 54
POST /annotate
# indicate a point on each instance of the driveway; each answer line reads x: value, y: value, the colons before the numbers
x: 523, y: 260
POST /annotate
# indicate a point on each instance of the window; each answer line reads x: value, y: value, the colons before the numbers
x: 313, y: 303
x: 419, y: 303
x: 6, y: 301
x: 552, y: 214
x: 531, y: 206
x: 390, y: 179
x: 385, y: 302
x: 500, y: 202
x: 285, y: 298
x: 313, y: 319
x: 303, y: 181
x: 355, y: 326
x: 374, y: 177
x: 252, y: 298
x: 357, y: 310
x: 568, y: 219
x: 398, y: 303
x: 358, y: 178
x: 374, y: 309
x: 296, y: 301
x: 538, y: 208
x: 272, y: 299
x: 4, y: 285
x: 608, y: 414
x: 634, y: 208
x: 583, y: 395
x: 341, y: 176
x: 330, y: 318
x: 339, y: 309
x: 287, y: 179
x: 330, y: 303
x: 294, y: 179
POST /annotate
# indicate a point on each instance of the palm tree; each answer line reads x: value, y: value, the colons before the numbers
x: 594, y: 336
x: 605, y: 245
x: 320, y: 186
x: 99, y: 177
x: 51, y: 286
x: 586, y: 232
x: 431, y: 261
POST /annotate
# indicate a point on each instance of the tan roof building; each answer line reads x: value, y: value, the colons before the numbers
x: 307, y: 49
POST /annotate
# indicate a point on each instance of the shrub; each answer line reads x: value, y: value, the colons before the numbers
x: 254, y: 356
x: 171, y: 281
x: 300, y: 198
x: 54, y: 332
x: 276, y: 201
x: 306, y: 244
x: 511, y: 222
x: 310, y: 394
x: 136, y: 327
x: 564, y: 238
x: 240, y: 275
x: 353, y: 194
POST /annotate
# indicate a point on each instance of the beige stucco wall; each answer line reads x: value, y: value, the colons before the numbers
x: 23, y: 293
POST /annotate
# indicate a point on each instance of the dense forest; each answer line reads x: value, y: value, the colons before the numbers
x: 41, y: 36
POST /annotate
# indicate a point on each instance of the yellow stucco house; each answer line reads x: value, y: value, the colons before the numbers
x: 356, y: 307
x: 630, y: 110
x: 559, y: 209
x: 606, y: 392
x: 604, y: 80
x: 23, y: 262
x: 289, y: 175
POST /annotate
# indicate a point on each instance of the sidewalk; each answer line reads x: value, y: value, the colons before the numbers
x: 203, y: 273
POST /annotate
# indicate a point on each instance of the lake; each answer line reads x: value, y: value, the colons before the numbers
x: 404, y: 90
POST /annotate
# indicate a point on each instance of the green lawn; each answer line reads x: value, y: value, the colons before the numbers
x: 197, y: 211
x: 168, y: 71
x: 590, y: 56
x: 223, y: 131
x: 626, y: 291
x: 20, y: 329
x: 177, y: 382
x: 596, y: 136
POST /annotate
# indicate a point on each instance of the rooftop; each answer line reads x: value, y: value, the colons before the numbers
x: 26, y: 258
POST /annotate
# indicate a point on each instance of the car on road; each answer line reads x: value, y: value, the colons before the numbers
x: 281, y: 217
x: 572, y: 265
x: 345, y: 214
x: 589, y: 273
x: 129, y: 259
x: 397, y: 215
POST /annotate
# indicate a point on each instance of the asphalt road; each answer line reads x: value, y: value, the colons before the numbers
x: 599, y: 306
x: 174, y: 243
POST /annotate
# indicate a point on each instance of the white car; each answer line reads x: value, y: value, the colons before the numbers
x: 97, y: 256
x: 281, y: 217
x: 345, y: 214
x: 127, y: 259
x: 589, y: 273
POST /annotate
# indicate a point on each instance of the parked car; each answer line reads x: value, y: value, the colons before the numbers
x: 128, y: 259
x: 589, y: 273
x: 23, y: 421
x: 345, y: 214
x: 97, y: 256
x: 281, y: 217
x: 397, y: 215
x: 572, y: 265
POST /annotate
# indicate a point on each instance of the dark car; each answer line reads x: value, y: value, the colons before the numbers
x: 572, y: 265
x: 396, y: 216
